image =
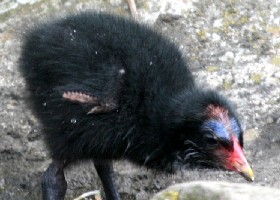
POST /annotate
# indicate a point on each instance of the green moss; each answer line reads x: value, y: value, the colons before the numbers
x: 244, y: 20
x: 227, y: 85
x: 144, y: 5
x: 232, y: 17
x: 275, y: 30
x: 171, y: 195
x: 276, y: 60
x: 202, y: 34
x: 213, y: 68
x: 256, y: 78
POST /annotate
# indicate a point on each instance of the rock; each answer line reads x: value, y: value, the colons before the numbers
x: 250, y: 135
x: 218, y: 23
x: 270, y: 120
x: 216, y: 37
x: 212, y: 190
x: 228, y: 56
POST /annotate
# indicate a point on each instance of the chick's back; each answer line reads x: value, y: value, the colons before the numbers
x: 104, y: 57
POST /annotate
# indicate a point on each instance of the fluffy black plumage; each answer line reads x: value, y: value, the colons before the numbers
x: 107, y: 88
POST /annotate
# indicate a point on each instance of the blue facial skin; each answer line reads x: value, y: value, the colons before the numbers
x: 235, y: 127
x: 220, y: 130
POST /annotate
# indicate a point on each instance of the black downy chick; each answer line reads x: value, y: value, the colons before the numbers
x: 107, y: 88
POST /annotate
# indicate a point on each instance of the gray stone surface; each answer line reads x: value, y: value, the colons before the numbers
x: 203, y: 190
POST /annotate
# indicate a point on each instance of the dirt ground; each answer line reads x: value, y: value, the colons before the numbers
x: 232, y: 46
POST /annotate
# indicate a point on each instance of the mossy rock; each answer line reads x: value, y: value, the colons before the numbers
x: 214, y: 190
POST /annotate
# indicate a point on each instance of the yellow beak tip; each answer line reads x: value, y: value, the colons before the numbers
x: 248, y: 173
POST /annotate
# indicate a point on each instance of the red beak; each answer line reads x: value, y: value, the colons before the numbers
x: 237, y: 161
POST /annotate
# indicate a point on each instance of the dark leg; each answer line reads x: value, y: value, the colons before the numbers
x: 106, y: 174
x: 54, y: 185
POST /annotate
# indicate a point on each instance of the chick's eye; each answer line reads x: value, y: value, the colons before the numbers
x: 210, y: 140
